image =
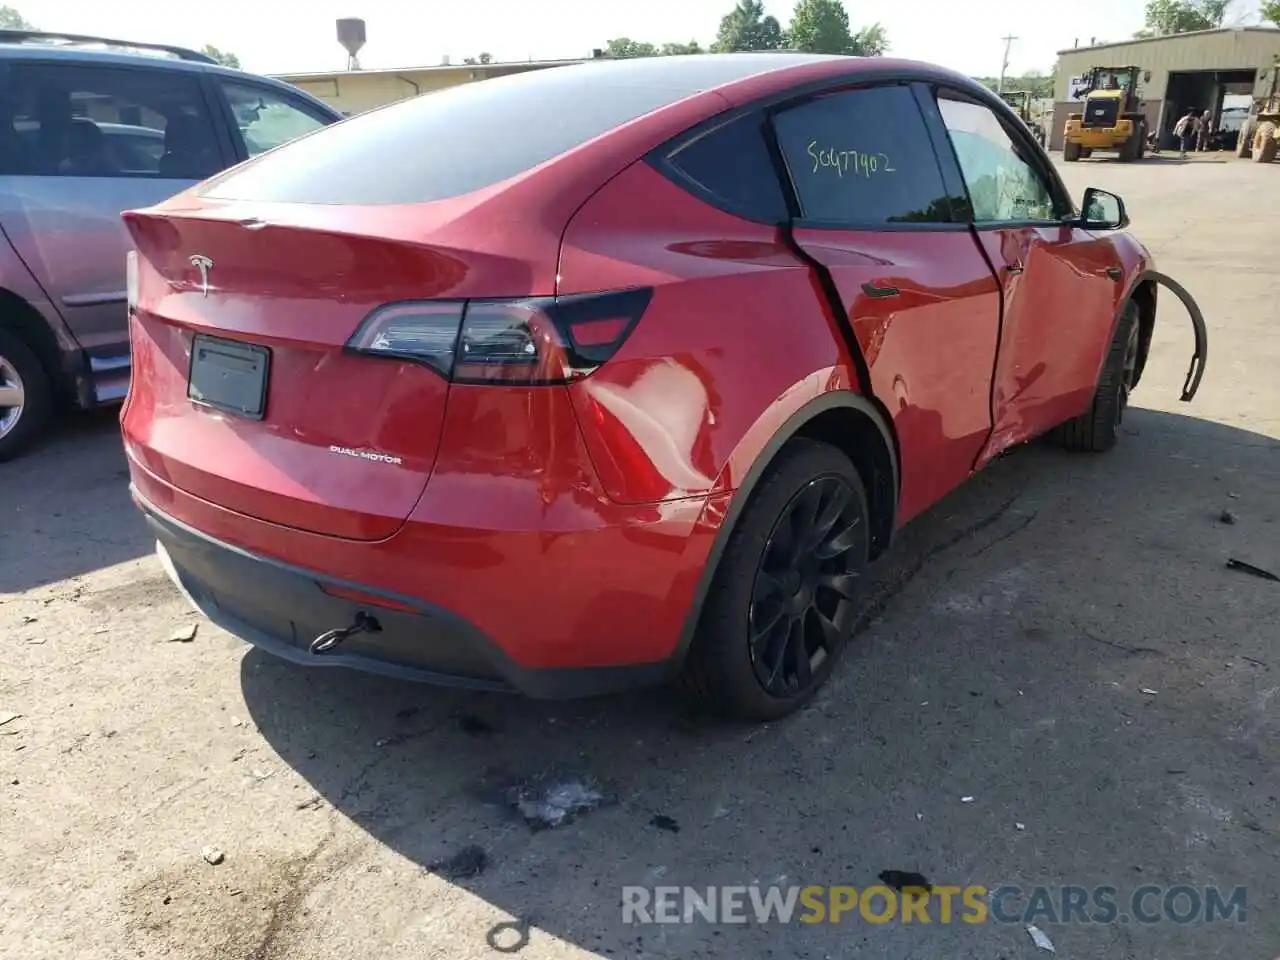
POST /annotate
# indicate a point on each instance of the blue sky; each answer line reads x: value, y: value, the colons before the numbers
x: 278, y: 36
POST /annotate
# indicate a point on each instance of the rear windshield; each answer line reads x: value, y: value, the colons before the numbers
x: 471, y: 136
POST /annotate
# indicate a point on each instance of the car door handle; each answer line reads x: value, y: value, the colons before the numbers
x: 879, y: 293
x: 1115, y: 273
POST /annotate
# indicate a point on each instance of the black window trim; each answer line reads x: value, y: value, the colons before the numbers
x: 1034, y: 154
x: 239, y: 148
x: 213, y: 110
x: 663, y: 160
x: 921, y: 80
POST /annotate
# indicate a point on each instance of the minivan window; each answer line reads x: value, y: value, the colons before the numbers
x: 731, y: 162
x: 464, y: 138
x: 863, y: 158
x: 81, y: 121
x: 266, y: 118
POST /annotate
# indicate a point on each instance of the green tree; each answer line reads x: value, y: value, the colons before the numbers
x: 871, y: 41
x: 680, y: 49
x: 747, y: 28
x: 226, y: 59
x: 820, y: 26
x: 11, y: 19
x: 624, y: 48
x: 1271, y: 11
x: 1039, y: 85
x: 1164, y: 17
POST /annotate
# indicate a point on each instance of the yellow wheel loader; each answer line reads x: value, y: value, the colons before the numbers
x: 1260, y: 134
x: 1112, y: 118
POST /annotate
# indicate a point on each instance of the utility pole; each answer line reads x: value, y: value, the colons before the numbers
x: 1004, y: 66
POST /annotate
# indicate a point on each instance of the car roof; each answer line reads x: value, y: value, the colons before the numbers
x: 680, y: 76
x: 74, y: 53
x: 738, y: 77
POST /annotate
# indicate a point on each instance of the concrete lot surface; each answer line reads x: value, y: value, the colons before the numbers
x: 1060, y: 641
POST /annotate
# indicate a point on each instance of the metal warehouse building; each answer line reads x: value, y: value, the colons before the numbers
x: 354, y: 91
x: 1174, y: 72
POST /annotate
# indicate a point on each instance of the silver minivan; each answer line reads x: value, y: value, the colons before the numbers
x: 89, y: 128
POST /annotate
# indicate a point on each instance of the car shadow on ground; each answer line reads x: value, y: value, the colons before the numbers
x: 65, y: 505
x: 1060, y: 641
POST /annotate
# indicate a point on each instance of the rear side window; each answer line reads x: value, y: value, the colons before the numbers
x: 77, y: 121
x: 863, y: 158
x: 731, y: 163
x: 267, y: 118
x: 454, y: 141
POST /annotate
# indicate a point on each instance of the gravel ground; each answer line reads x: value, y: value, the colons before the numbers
x: 1059, y: 641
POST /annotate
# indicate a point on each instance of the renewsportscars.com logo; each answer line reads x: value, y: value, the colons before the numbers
x: 938, y: 904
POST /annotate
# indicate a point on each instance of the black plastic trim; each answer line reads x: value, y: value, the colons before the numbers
x: 663, y: 160
x: 862, y: 73
x: 835, y: 400
x: 1195, y: 371
x: 506, y: 674
x: 1200, y: 355
x: 944, y: 154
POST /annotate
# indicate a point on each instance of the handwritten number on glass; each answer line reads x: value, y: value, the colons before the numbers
x: 854, y: 162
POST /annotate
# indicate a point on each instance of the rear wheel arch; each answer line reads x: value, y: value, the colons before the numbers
x: 23, y: 320
x: 858, y: 427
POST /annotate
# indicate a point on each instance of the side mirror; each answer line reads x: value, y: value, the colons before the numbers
x: 1103, y: 211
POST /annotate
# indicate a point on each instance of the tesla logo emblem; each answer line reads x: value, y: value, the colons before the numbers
x: 202, y: 263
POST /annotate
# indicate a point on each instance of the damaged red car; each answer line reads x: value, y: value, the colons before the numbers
x: 614, y: 373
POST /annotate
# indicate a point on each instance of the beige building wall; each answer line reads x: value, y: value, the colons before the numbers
x: 356, y: 91
x: 1255, y: 47
x: 1249, y: 48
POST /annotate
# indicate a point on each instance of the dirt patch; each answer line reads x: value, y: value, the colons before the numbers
x: 242, y: 909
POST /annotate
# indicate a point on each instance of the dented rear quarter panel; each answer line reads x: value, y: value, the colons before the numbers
x: 756, y: 341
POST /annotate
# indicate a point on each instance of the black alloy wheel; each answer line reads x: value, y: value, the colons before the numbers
x: 786, y: 593
x: 803, y: 603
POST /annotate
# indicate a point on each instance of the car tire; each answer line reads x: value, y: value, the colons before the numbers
x: 1071, y: 152
x: 787, y: 593
x: 1097, y: 429
x: 1265, y: 145
x: 1244, y: 141
x: 21, y: 371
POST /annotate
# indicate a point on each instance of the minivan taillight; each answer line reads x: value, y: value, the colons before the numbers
x: 131, y: 281
x: 534, y: 340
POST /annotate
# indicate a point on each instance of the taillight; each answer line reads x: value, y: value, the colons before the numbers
x: 529, y: 341
x: 131, y: 280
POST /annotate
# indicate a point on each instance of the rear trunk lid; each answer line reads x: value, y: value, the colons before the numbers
x: 243, y: 394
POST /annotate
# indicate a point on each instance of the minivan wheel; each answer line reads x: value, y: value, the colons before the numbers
x: 786, y: 595
x: 26, y: 399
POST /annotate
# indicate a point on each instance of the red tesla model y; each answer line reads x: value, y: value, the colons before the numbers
x: 611, y: 373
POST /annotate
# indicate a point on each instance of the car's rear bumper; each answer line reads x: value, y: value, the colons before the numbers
x: 283, y: 608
